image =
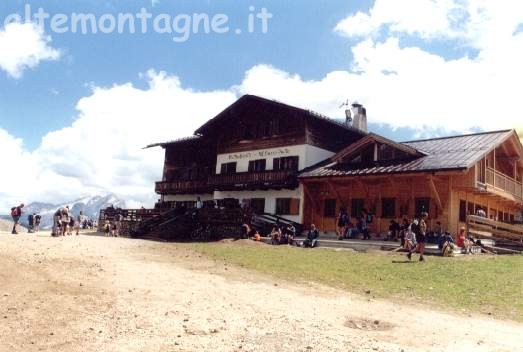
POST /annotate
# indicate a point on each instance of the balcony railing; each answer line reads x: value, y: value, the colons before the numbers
x: 504, y: 183
x: 258, y: 180
x: 183, y: 187
x: 225, y: 182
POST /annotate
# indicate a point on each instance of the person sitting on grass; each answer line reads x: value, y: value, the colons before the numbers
x: 312, y: 237
x: 251, y: 233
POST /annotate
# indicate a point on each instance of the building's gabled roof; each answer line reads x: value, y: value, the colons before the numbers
x: 441, y: 154
x: 184, y: 140
x: 211, y: 126
x: 246, y: 99
x: 373, y: 138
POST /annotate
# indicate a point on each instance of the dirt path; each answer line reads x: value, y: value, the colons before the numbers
x: 103, y: 294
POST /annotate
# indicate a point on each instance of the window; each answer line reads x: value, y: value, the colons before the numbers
x: 422, y: 205
x: 356, y: 207
x: 287, y: 206
x: 386, y: 152
x: 470, y: 208
x: 462, y: 211
x: 257, y: 205
x: 289, y: 163
x: 228, y: 168
x: 329, y: 208
x: 367, y: 155
x: 257, y: 165
x: 388, y: 208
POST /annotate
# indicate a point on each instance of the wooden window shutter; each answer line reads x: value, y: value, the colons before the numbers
x: 295, y: 207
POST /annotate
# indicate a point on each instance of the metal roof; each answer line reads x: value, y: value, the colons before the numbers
x: 447, y: 153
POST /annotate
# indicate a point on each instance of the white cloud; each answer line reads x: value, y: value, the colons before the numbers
x: 23, y: 46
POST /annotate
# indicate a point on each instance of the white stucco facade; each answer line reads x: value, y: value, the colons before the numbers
x: 308, y: 155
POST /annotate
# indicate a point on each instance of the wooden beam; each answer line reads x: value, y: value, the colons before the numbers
x: 435, y: 192
x: 336, y: 193
x: 311, y: 198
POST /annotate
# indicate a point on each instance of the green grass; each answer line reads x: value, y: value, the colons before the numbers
x: 484, y: 284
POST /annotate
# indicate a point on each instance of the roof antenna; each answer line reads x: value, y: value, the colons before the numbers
x: 348, y: 113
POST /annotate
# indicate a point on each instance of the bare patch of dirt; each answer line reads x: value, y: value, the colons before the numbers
x: 92, y: 293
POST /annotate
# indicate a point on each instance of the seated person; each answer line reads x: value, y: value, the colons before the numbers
x: 351, y: 230
x: 446, y: 245
x: 251, y: 233
x: 394, y: 229
x: 284, y: 238
x: 463, y: 242
x: 276, y: 234
x: 289, y: 233
x: 312, y: 237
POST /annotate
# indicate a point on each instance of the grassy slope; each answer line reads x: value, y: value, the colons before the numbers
x: 492, y: 285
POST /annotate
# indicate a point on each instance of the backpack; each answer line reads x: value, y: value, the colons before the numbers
x: 15, y: 211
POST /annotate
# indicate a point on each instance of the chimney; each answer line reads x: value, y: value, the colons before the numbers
x: 359, y: 114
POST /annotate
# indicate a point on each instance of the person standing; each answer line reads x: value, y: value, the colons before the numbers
x: 80, y: 219
x: 16, y: 213
x: 420, y: 229
x: 343, y: 219
x: 30, y: 222
x: 37, y: 219
x: 363, y: 224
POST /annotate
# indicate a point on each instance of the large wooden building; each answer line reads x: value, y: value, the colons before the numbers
x: 295, y: 163
x: 253, y: 152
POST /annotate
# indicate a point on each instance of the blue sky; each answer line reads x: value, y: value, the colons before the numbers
x: 76, y: 110
x: 300, y: 39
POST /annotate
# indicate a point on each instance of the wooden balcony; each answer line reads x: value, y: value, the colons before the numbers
x: 254, y: 180
x: 502, y: 184
x: 183, y: 187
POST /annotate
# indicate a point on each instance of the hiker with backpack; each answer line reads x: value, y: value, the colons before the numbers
x: 31, y: 223
x: 16, y: 213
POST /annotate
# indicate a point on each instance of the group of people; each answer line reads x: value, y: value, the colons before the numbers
x: 345, y: 229
x: 113, y: 228
x: 64, y: 223
x: 284, y: 235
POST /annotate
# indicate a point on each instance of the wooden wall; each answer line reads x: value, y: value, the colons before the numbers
x: 444, y: 195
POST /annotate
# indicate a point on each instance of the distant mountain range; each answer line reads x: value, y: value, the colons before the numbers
x: 89, y: 205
